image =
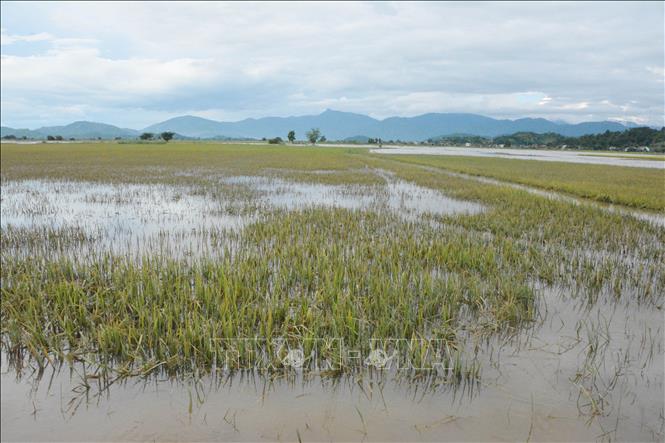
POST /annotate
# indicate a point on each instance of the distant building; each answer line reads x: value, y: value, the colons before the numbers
x: 637, y: 149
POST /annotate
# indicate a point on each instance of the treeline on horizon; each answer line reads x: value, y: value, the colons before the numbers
x: 635, y: 138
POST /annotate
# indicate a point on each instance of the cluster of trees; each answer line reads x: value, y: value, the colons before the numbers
x: 166, y: 136
x: 632, y: 138
x: 313, y: 136
x: 462, y: 139
x: 548, y: 139
x: 50, y: 138
x: 654, y: 138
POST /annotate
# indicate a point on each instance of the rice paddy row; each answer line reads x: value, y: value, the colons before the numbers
x: 607, y: 184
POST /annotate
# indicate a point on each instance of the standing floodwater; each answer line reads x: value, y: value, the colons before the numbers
x: 529, y: 154
x: 386, y: 302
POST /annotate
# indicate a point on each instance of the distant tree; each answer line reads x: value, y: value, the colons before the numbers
x: 50, y: 138
x: 147, y: 136
x: 59, y: 138
x: 323, y: 139
x: 313, y: 135
x: 166, y: 136
x: 9, y: 137
x: 291, y: 136
x: 276, y: 141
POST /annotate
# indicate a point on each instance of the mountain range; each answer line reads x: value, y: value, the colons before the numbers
x: 335, y: 125
x: 79, y: 130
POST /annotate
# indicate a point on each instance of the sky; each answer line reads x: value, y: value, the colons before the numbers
x: 134, y: 64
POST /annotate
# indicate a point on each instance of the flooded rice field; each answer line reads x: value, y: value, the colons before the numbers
x: 451, y: 320
x: 526, y: 154
x: 181, y: 220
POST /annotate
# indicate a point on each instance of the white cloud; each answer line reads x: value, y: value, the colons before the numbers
x: 72, y: 73
x: 658, y: 71
x: 565, y: 60
x: 8, y: 39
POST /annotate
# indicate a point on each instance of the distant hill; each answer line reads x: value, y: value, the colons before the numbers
x: 357, y: 139
x: 335, y: 125
x: 78, y: 130
x: 18, y: 133
x: 190, y: 126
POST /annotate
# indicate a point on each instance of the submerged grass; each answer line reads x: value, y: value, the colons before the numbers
x: 344, y: 275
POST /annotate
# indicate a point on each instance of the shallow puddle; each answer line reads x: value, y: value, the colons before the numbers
x: 138, y: 209
x: 126, y: 218
x: 180, y: 221
x: 403, y: 198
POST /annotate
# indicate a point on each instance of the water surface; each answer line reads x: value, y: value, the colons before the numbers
x: 523, y: 154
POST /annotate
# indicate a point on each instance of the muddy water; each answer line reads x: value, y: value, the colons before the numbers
x: 179, y: 221
x: 405, y: 199
x: 121, y: 219
x: 541, y: 385
x: 525, y: 154
x: 580, y: 373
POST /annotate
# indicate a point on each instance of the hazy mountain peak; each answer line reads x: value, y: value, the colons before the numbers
x: 189, y: 118
x: 335, y: 125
